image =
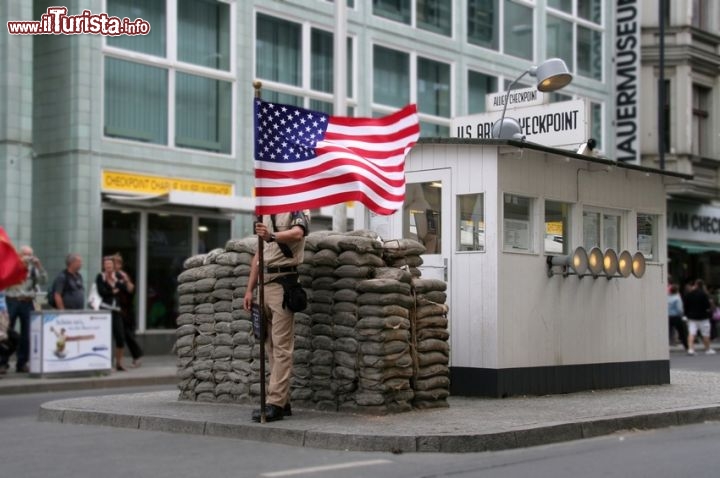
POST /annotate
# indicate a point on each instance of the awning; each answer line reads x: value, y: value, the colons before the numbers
x: 225, y: 204
x: 693, y: 247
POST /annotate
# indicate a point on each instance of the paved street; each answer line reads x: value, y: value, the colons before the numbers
x: 51, y: 449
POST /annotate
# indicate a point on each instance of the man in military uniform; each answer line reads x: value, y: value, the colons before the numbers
x: 284, y: 244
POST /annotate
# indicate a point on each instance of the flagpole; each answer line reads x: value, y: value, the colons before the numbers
x: 340, y: 87
x: 261, y: 297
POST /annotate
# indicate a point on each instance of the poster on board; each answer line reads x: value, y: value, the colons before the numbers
x: 70, y: 341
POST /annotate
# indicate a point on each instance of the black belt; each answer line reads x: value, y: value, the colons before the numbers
x: 278, y: 270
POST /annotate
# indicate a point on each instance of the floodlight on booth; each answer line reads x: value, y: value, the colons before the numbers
x: 595, y: 261
x: 610, y: 263
x: 577, y: 262
x: 625, y: 262
x: 638, y: 265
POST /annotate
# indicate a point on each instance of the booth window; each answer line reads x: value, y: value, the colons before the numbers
x: 471, y: 222
x: 601, y: 229
x: 557, y: 227
x: 421, y: 214
x: 517, y: 223
x: 647, y: 235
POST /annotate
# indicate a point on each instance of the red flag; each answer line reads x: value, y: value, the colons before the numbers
x: 12, y: 268
x: 307, y: 159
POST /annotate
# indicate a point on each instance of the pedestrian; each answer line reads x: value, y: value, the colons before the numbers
x: 108, y: 285
x: 676, y: 315
x: 127, y: 310
x: 283, y: 248
x: 698, y: 311
x: 68, y: 288
x: 8, y: 337
x: 21, y: 302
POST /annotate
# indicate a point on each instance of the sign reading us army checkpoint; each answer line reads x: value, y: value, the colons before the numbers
x: 555, y: 124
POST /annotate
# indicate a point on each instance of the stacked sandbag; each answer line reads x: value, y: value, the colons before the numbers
x: 404, y: 254
x: 384, y: 358
x: 431, y: 378
x: 358, y: 256
x: 186, y: 332
x: 244, y: 371
x: 323, y: 261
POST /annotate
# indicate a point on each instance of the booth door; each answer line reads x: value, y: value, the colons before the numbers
x: 426, y: 218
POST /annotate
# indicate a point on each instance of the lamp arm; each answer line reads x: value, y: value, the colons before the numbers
x: 507, y: 95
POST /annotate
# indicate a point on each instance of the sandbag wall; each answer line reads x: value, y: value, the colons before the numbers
x: 373, y: 338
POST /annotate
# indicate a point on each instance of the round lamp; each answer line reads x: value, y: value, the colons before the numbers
x: 595, y: 261
x: 552, y: 75
x: 610, y: 263
x: 638, y: 265
x: 625, y: 262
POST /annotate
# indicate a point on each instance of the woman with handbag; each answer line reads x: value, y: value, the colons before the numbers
x: 109, y: 286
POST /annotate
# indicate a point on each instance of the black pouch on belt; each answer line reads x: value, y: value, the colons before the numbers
x: 294, y: 296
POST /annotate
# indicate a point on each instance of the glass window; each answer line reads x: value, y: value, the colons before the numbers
x: 432, y: 130
x: 433, y: 87
x: 121, y: 234
x: 169, y: 244
x: 518, y: 30
x: 391, y: 77
x: 136, y: 101
x: 398, y: 10
x: 479, y: 85
x: 564, y: 5
x: 558, y: 33
x: 202, y: 115
x: 647, y: 235
x: 153, y: 12
x: 278, y: 50
x: 434, y: 16
x: 589, y: 53
x: 212, y: 233
x: 517, y: 223
x: 421, y: 214
x: 701, y: 141
x: 483, y: 23
x: 596, y: 124
x: 590, y: 10
x: 471, y: 222
x: 203, y: 34
x: 602, y: 230
x: 321, y: 61
x: 557, y: 227
x: 591, y: 230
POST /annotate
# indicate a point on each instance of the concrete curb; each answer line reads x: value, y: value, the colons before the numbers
x: 445, y: 443
x: 63, y: 385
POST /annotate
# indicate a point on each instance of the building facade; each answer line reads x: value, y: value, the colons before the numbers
x: 692, y: 120
x: 143, y: 144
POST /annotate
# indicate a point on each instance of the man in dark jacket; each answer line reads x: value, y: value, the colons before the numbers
x: 698, y: 310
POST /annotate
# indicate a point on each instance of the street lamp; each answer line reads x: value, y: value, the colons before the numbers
x: 551, y: 75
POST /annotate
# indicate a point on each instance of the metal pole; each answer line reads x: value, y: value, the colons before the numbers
x: 661, y: 88
x: 261, y: 298
x: 340, y: 87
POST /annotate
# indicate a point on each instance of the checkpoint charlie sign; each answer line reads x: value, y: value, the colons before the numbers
x: 519, y: 98
x: 555, y: 124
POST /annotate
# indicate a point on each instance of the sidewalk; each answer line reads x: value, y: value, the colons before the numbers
x: 469, y: 425
x: 155, y: 370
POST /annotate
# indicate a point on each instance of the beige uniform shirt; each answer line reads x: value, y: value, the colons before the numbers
x: 273, y: 255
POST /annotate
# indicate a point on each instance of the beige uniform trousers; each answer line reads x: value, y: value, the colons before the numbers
x: 279, y: 345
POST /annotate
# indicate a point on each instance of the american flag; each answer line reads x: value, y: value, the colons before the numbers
x: 307, y: 159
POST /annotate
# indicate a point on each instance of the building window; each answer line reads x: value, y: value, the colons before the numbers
x: 136, y: 101
x: 518, y: 30
x: 575, y: 34
x: 431, y: 15
x: 479, y: 85
x: 434, y: 16
x: 517, y: 223
x: 150, y: 79
x: 281, y: 58
x: 602, y: 229
x: 557, y: 227
x: 596, y: 124
x: 471, y: 222
x: 647, y: 235
x: 483, y: 23
x: 392, y: 88
x: 700, y: 119
x: 422, y: 214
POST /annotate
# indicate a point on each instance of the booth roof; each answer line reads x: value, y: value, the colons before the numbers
x: 556, y: 151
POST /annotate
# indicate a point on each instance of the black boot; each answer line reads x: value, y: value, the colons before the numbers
x: 272, y: 413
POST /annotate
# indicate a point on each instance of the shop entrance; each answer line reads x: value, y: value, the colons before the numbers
x: 154, y: 246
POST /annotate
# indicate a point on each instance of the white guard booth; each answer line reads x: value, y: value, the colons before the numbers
x: 75, y: 342
x: 491, y: 213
